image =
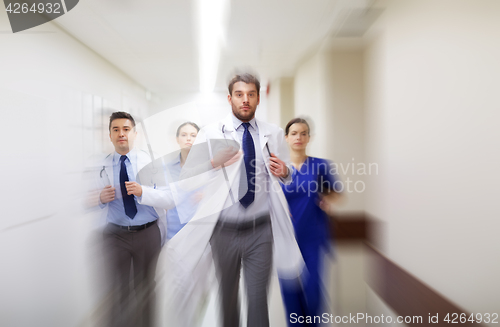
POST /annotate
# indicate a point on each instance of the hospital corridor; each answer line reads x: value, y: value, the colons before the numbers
x: 206, y: 163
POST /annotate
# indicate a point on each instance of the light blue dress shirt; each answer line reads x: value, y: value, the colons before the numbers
x: 185, y: 204
x: 116, y: 210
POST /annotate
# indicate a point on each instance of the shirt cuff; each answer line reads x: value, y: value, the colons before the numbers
x: 101, y: 205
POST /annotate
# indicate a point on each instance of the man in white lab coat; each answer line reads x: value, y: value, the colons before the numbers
x: 244, y: 214
x: 133, y: 234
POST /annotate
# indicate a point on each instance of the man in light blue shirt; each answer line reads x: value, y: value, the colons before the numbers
x: 132, y: 237
x: 116, y: 211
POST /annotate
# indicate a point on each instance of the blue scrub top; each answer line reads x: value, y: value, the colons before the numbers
x: 309, y: 221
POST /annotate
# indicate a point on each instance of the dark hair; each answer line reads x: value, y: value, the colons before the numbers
x: 246, y: 78
x: 186, y: 123
x: 121, y: 115
x: 297, y: 121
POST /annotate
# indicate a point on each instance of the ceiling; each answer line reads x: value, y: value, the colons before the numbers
x: 155, y: 42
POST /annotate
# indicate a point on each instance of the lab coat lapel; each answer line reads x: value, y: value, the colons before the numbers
x: 108, y: 167
x: 143, y: 159
x: 149, y: 172
x: 228, y: 130
x: 263, y: 135
x: 264, y: 132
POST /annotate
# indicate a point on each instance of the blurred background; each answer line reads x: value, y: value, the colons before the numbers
x: 403, y: 96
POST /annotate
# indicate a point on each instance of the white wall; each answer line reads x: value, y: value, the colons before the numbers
x: 281, y: 101
x: 328, y: 88
x: 345, y: 123
x: 274, y: 102
x: 432, y: 125
x: 287, y: 100
x: 309, y: 101
x: 52, y: 93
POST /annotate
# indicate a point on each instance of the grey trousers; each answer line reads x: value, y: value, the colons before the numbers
x: 251, y: 248
x: 132, y: 300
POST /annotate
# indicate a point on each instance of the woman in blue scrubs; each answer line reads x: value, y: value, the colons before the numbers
x: 314, y: 188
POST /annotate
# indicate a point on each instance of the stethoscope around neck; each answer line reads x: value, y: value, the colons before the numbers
x: 224, y: 133
x: 224, y: 169
x: 106, y: 179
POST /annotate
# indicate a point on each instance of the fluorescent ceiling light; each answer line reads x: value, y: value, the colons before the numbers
x: 212, y: 17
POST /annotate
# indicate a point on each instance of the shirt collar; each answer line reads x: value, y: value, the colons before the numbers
x: 237, y: 123
x: 176, y: 161
x: 132, y: 155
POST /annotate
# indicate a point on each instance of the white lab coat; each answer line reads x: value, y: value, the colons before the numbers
x: 188, y: 257
x: 188, y: 246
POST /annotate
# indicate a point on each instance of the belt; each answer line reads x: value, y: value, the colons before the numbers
x: 244, y: 225
x: 135, y: 228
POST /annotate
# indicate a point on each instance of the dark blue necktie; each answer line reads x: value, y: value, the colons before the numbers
x: 249, y: 158
x: 128, y: 200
